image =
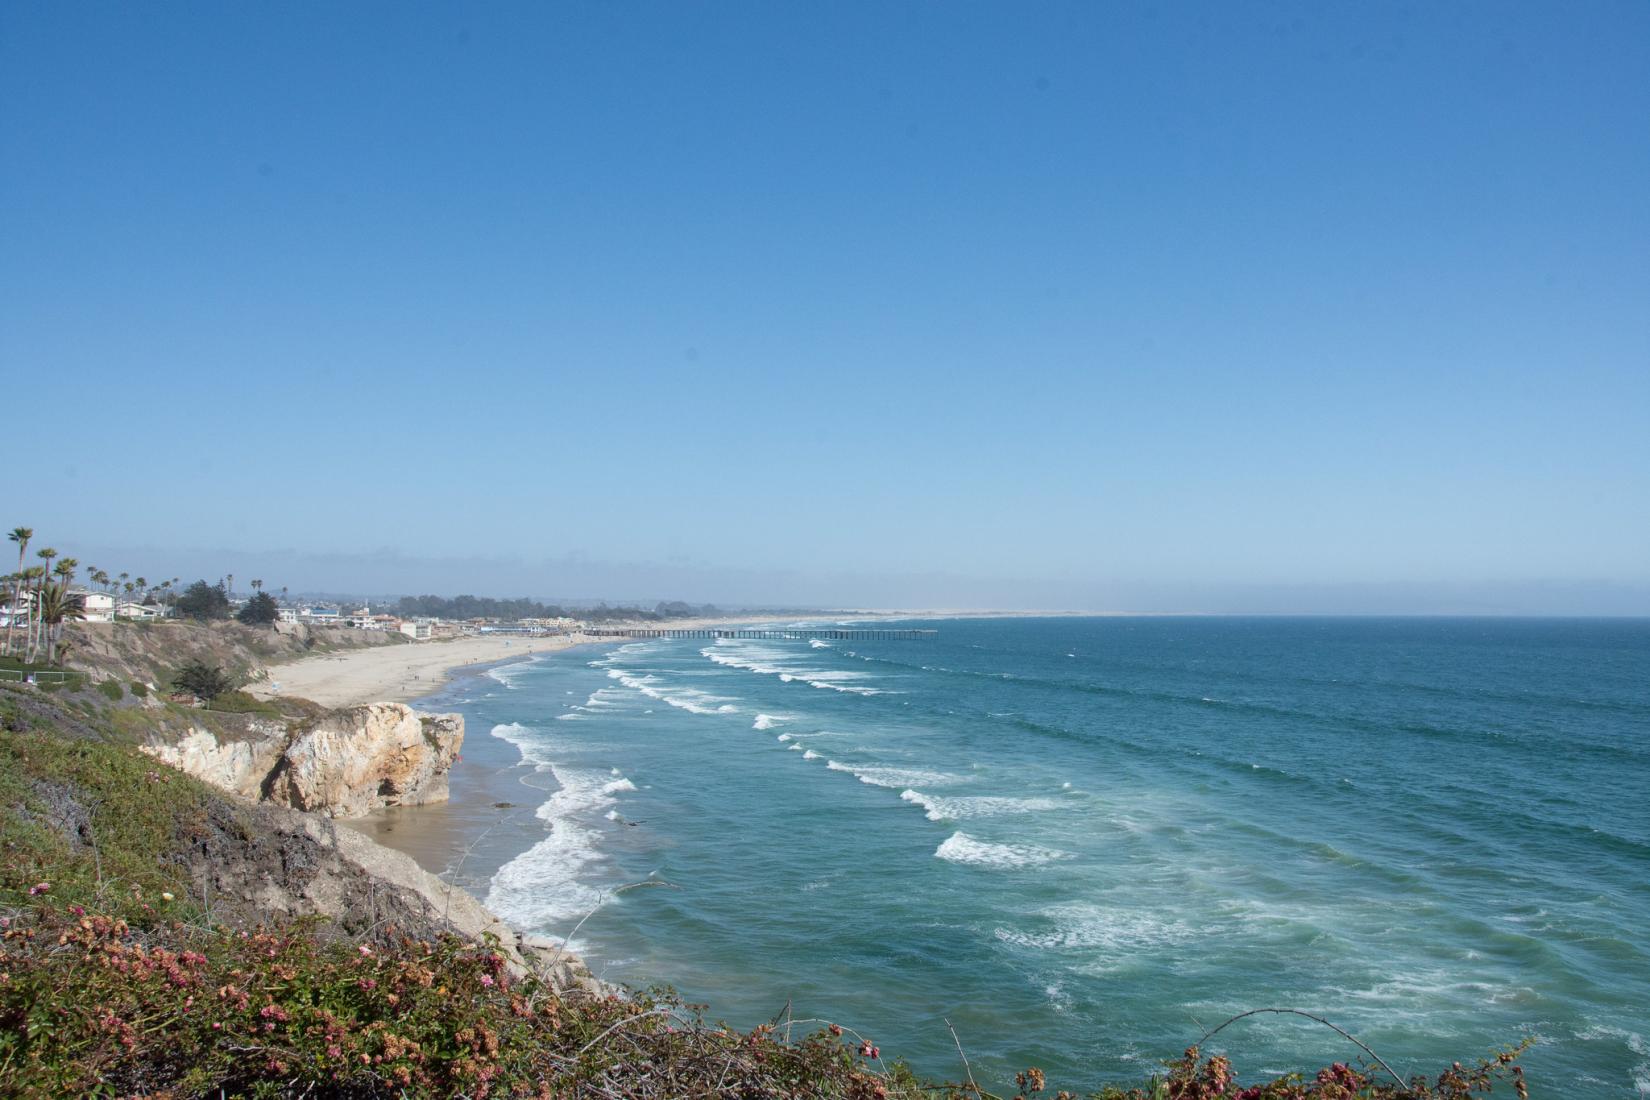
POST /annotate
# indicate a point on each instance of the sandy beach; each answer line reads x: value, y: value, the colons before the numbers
x: 402, y: 673
x: 396, y: 673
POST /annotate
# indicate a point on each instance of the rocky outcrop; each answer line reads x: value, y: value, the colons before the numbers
x: 366, y: 758
x: 239, y: 765
x: 348, y: 763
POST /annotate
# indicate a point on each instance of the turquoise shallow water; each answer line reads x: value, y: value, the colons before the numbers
x: 1083, y: 841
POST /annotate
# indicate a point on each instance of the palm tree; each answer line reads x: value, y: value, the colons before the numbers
x: 8, y: 594
x: 65, y: 571
x: 46, y: 555
x: 56, y: 605
x: 30, y: 575
x: 21, y: 536
x: 257, y: 586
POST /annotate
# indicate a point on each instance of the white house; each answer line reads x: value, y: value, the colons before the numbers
x: 418, y: 632
x: 97, y: 607
x: 143, y: 612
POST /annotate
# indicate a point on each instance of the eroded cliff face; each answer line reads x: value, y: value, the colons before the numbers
x: 346, y: 764
x: 365, y: 758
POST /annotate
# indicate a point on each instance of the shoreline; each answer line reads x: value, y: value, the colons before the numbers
x: 415, y: 670
x: 399, y: 673
x: 492, y: 792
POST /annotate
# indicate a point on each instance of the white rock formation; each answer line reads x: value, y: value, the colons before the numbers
x: 347, y: 764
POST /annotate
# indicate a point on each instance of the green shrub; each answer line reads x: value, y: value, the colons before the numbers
x: 139, y: 689
x: 202, y: 679
x: 239, y: 702
x: 112, y: 690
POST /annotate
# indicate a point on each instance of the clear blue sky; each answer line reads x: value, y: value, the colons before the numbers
x: 1192, y: 306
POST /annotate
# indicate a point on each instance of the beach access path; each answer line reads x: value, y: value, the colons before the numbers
x: 395, y: 673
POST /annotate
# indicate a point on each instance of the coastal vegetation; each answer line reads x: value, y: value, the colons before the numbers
x: 260, y: 610
x: 127, y: 968
x: 204, y: 680
x: 49, y: 603
x: 204, y: 602
x: 38, y: 607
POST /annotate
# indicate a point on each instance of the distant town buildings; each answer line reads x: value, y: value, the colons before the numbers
x: 104, y: 607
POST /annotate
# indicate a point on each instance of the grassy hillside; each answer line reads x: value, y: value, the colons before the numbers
x: 137, y: 958
x: 151, y: 652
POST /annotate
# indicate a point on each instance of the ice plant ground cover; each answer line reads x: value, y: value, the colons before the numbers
x: 90, y: 1001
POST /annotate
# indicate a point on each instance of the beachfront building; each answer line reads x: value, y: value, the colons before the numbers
x: 96, y: 607
x: 553, y: 626
x: 139, y: 612
x: 418, y: 632
x: 313, y: 616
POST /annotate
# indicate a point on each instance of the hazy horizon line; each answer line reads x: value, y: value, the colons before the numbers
x: 391, y: 572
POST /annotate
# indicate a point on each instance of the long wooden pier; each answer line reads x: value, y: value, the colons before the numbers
x: 784, y: 635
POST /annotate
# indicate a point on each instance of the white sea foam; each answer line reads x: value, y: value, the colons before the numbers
x: 547, y: 884
x: 962, y: 848
x: 1119, y: 929
x: 600, y: 700
x: 956, y: 809
x: 691, y: 700
x: 1635, y: 1043
x: 878, y: 776
x: 535, y: 747
x: 810, y: 755
x: 781, y: 737
x: 815, y: 643
x: 510, y: 673
x: 768, y: 721
x: 794, y: 747
x: 767, y: 661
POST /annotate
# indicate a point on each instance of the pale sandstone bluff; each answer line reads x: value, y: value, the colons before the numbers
x: 347, y: 764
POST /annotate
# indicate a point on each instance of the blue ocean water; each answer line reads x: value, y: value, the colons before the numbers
x: 1082, y: 842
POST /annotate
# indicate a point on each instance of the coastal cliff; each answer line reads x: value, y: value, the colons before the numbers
x: 250, y: 859
x: 346, y: 763
x: 152, y: 652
